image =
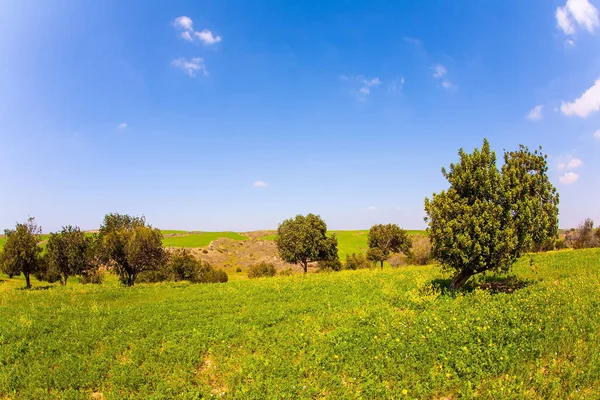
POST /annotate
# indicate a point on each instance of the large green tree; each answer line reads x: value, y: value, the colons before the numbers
x: 387, y: 239
x: 129, y: 246
x: 22, y: 252
x: 489, y: 216
x: 70, y: 252
x: 303, y: 239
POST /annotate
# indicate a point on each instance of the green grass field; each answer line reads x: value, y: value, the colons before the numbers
x: 354, y: 334
x: 200, y: 239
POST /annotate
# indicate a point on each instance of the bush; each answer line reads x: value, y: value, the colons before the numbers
x: 95, y: 277
x: 238, y: 269
x: 585, y: 237
x: 357, y: 261
x: 205, y: 251
x: 153, y: 276
x: 333, y: 265
x: 182, y: 266
x: 398, y: 260
x: 261, y: 270
x: 420, y: 253
x: 286, y: 272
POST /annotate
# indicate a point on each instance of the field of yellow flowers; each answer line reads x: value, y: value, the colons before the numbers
x: 391, y: 333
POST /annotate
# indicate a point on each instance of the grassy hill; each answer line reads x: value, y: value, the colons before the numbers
x: 355, y: 334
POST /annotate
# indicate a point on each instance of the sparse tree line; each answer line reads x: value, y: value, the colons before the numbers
x: 484, y: 221
x: 125, y: 245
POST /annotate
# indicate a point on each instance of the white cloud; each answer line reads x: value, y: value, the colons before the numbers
x: 184, y: 23
x: 584, y: 105
x: 186, y: 36
x: 371, y: 208
x: 191, y: 67
x: 122, y: 126
x: 597, y: 134
x: 365, y: 84
x: 570, y: 42
x: 577, y: 13
x: 260, y: 184
x: 574, y: 163
x: 397, y: 84
x: 536, y: 113
x: 562, y: 165
x: 568, y: 178
x: 438, y: 71
x: 207, y: 37
x: 563, y: 21
x: 446, y: 84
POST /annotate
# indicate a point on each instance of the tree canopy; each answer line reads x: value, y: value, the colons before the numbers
x: 489, y: 216
x: 303, y: 239
x: 387, y: 239
x: 129, y: 246
x: 22, y: 253
x: 69, y: 253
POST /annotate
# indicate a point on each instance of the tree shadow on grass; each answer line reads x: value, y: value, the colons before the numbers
x: 491, y: 283
x: 46, y: 287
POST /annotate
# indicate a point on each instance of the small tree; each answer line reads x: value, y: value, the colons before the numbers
x: 70, y: 253
x: 585, y: 235
x: 22, y: 253
x: 489, y: 217
x: 387, y: 239
x: 129, y: 246
x: 303, y: 239
x: 261, y: 270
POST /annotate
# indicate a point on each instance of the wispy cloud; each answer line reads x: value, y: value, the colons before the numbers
x: 586, y: 104
x: 597, y: 135
x: 396, y: 85
x: 577, y: 14
x: 536, y: 113
x: 122, y: 126
x: 192, y: 66
x: 438, y: 71
x: 186, y: 27
x: 364, y: 84
x: 413, y: 41
x: 569, y: 163
x: 569, y: 178
x: 371, y: 208
x: 260, y: 184
x: 446, y: 84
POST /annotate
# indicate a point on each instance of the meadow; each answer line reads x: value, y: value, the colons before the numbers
x: 390, y: 333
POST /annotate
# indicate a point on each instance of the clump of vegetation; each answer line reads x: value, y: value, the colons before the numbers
x: 420, y: 252
x: 489, y: 217
x: 303, y: 239
x: 357, y: 261
x: 22, y: 253
x: 327, y: 266
x: 129, y: 246
x: 286, y: 272
x: 261, y: 270
x: 181, y: 265
x: 70, y: 253
x: 584, y: 236
x: 384, y: 240
x: 238, y: 269
x: 95, y: 276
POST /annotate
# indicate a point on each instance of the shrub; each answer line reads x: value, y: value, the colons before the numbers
x: 238, y: 269
x: 286, y: 272
x: 585, y: 237
x: 420, y: 253
x: 95, y: 277
x: 182, y: 265
x: 152, y: 276
x: 205, y: 251
x: 333, y: 265
x: 261, y: 270
x: 357, y: 261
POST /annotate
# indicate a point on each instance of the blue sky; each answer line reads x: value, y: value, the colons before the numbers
x: 234, y: 115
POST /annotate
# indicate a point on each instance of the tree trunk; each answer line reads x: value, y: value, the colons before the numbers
x: 64, y: 280
x: 27, y: 281
x: 381, y: 264
x: 304, y: 266
x: 460, y: 279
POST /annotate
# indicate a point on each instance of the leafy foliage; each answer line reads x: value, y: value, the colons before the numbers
x: 21, y: 253
x: 386, y: 239
x: 261, y: 270
x: 129, y: 246
x: 70, y: 253
x: 357, y: 261
x: 489, y: 217
x: 303, y: 239
x: 585, y: 236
